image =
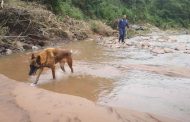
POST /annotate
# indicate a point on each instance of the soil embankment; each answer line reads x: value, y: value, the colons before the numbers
x: 28, y: 25
x: 25, y: 26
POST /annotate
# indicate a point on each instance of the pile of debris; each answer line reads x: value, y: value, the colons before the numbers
x: 21, y: 28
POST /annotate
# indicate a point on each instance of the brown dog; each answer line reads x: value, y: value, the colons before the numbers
x: 48, y: 58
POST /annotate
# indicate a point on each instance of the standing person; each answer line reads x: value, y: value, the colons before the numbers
x: 121, y: 25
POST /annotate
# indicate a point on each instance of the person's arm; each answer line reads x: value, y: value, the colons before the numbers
x: 118, y: 24
x: 127, y: 24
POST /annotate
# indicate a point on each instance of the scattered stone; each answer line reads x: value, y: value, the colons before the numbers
x: 145, y: 44
x: 181, y: 48
x: 169, y: 50
x: 138, y: 45
x: 21, y: 49
x: 187, y: 51
x: 34, y: 48
x: 145, y: 38
x: 19, y: 44
x: 129, y: 43
x: 137, y: 27
x: 41, y: 43
x: 117, y: 46
x: 2, y: 50
x: 172, y: 40
x: 109, y: 42
x: 161, y: 40
x: 27, y: 47
x: 8, y: 51
x: 158, y: 50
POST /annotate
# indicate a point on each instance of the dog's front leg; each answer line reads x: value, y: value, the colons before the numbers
x: 53, y: 71
x: 38, y: 76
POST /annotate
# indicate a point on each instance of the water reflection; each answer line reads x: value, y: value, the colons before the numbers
x: 15, y: 66
x: 84, y: 86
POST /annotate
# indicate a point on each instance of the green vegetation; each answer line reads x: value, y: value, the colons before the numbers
x: 162, y: 13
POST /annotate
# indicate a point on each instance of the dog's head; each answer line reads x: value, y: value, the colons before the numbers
x: 35, y: 64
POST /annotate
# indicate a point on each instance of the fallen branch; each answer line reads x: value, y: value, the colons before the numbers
x: 13, y: 36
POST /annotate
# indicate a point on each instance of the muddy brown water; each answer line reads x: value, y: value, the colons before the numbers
x: 130, y: 78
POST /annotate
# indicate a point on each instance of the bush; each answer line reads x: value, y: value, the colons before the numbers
x: 100, y: 28
x: 65, y: 8
x: 109, y: 11
x: 163, y: 13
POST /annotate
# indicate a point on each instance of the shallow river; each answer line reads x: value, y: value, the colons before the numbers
x: 126, y: 78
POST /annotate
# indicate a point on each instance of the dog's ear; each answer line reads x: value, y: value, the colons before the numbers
x: 38, y: 60
x: 32, y: 56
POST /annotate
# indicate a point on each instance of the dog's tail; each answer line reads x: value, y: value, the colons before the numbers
x: 70, y: 52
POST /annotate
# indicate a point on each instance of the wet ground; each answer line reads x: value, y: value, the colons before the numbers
x: 124, y: 77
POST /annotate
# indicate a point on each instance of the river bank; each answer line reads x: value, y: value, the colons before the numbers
x: 134, y: 73
x: 21, y: 102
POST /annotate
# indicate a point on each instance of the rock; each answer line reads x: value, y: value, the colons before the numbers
x: 145, y: 38
x: 27, y: 47
x: 158, y: 50
x: 187, y: 51
x: 181, y: 48
x: 145, y: 44
x: 138, y: 45
x: 118, y: 46
x: 41, y: 43
x: 18, y: 44
x: 69, y: 35
x: 109, y: 42
x: 2, y: 49
x: 129, y: 43
x: 169, y: 50
x: 137, y: 27
x: 162, y: 40
x: 8, y: 51
x: 172, y: 40
x: 34, y: 48
x: 79, y: 35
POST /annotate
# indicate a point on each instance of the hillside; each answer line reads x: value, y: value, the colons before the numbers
x: 162, y: 13
x: 28, y: 24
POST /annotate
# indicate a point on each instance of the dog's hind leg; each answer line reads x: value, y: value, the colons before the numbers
x: 38, y: 76
x: 62, y: 63
x: 70, y: 63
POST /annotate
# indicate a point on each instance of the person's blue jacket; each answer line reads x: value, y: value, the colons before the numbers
x: 123, y: 23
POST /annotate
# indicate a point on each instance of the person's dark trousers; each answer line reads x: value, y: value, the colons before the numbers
x: 122, y: 35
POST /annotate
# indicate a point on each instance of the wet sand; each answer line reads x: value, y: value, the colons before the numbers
x: 172, y: 71
x: 19, y: 102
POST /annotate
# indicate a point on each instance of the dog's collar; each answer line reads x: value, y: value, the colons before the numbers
x: 42, y: 65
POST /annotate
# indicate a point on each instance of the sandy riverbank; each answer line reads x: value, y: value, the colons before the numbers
x: 20, y: 102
